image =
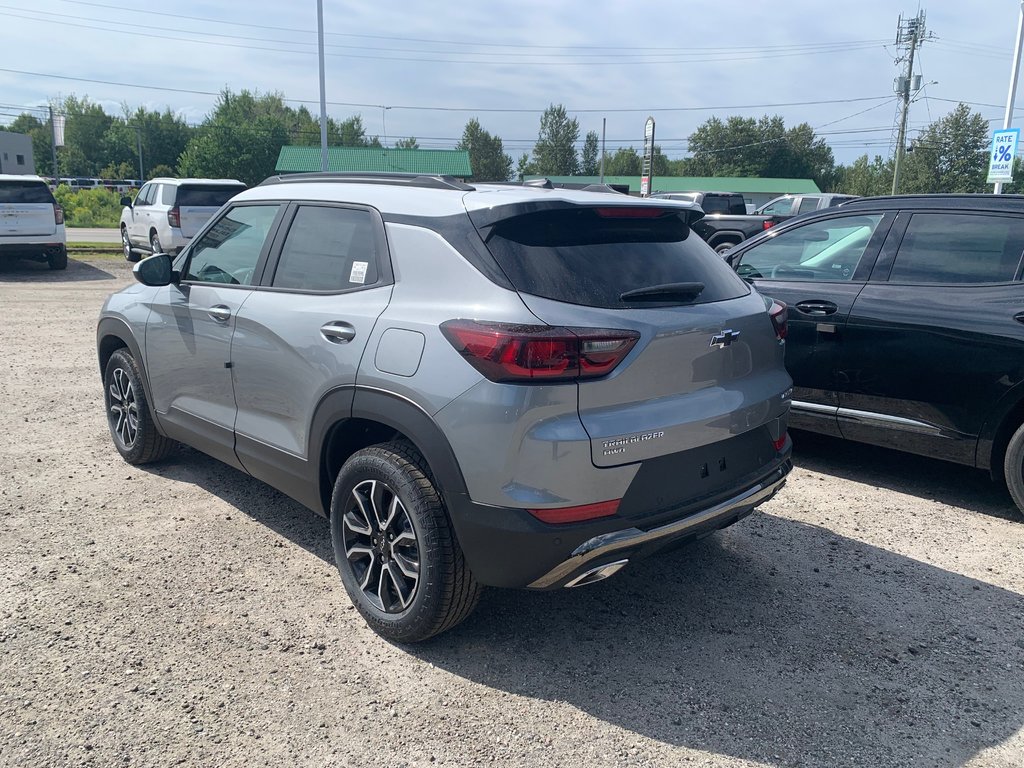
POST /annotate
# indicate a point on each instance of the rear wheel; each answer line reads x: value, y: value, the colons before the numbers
x: 1013, y: 468
x: 126, y: 246
x: 154, y: 242
x: 394, y: 546
x: 131, y: 425
x: 58, y: 259
x: 723, y: 247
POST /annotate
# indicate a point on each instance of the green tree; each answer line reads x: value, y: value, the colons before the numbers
x: 407, y: 143
x: 487, y: 155
x: 163, y: 136
x: 352, y: 134
x: 158, y: 171
x: 84, y: 151
x: 589, y: 164
x: 625, y: 161
x: 864, y: 177
x: 120, y: 170
x: 743, y: 146
x: 554, y: 154
x: 524, y: 167
x: 950, y: 155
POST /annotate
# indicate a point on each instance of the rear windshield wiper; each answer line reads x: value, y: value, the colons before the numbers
x: 665, y: 292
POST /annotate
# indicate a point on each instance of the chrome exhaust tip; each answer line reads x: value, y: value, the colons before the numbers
x: 597, y: 574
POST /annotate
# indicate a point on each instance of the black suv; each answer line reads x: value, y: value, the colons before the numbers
x: 906, y: 324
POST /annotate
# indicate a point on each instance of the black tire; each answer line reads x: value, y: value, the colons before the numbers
x: 1013, y: 468
x: 131, y: 425
x: 398, y: 606
x: 723, y: 247
x: 154, y: 242
x: 58, y: 259
x: 126, y: 246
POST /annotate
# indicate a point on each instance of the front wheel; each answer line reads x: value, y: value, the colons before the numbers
x: 394, y: 546
x: 131, y: 425
x: 1013, y: 468
x: 126, y: 246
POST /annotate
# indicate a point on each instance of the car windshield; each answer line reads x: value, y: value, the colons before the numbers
x: 24, y: 192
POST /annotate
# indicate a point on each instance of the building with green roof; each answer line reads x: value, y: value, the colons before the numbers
x: 755, y: 191
x: 445, y: 162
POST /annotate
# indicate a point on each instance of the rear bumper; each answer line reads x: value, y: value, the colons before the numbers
x: 31, y: 249
x: 510, y: 548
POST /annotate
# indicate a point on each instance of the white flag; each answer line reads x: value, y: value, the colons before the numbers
x: 58, y: 130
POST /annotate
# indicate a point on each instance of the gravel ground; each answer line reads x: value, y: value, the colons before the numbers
x: 871, y: 615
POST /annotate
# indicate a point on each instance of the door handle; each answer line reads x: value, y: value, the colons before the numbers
x: 220, y: 313
x: 817, y: 308
x: 338, y: 332
x: 1019, y: 317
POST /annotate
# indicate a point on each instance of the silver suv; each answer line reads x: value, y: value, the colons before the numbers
x: 167, y: 213
x: 478, y: 385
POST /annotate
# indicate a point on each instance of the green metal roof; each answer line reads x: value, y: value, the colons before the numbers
x: 448, y: 162
x: 743, y: 185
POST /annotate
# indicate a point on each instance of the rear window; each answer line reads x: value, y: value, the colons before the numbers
x: 208, y: 195
x: 723, y: 204
x: 579, y: 257
x: 25, y: 192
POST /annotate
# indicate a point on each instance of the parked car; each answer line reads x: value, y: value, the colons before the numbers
x: 167, y: 213
x: 726, y: 222
x: 479, y: 385
x: 906, y: 326
x: 31, y: 222
x: 788, y: 206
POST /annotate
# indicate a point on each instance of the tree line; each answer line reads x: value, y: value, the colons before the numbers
x: 242, y: 136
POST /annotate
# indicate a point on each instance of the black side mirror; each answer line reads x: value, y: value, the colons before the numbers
x: 125, y: 200
x: 156, y: 270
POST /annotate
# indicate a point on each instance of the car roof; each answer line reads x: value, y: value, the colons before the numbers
x: 435, y: 196
x: 963, y: 201
x: 21, y: 177
x: 179, y: 182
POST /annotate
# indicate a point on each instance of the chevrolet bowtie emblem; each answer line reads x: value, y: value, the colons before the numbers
x: 724, y: 339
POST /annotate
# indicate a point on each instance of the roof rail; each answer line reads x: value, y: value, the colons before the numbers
x: 427, y: 181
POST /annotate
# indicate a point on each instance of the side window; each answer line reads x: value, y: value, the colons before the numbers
x: 167, y: 194
x: 143, y: 196
x: 328, y: 249
x: 808, y: 204
x: 959, y: 248
x: 827, y: 250
x: 230, y: 249
x: 781, y: 207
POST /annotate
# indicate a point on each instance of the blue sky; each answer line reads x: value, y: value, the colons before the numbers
x: 418, y: 69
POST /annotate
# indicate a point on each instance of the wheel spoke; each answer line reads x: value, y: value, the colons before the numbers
x: 402, y: 589
x: 360, y: 518
x: 407, y: 565
x: 405, y: 539
x: 377, y: 502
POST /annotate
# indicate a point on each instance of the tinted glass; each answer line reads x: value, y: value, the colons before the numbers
x: 782, y: 207
x: 145, y: 195
x: 229, y: 250
x: 808, y: 204
x: 166, y: 194
x: 208, y: 195
x: 822, y: 250
x: 24, y: 192
x: 580, y: 257
x: 959, y: 248
x: 840, y: 199
x: 723, y: 204
x: 328, y: 249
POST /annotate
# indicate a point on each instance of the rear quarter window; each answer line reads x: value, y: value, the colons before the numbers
x: 580, y: 257
x: 207, y: 195
x: 959, y: 248
x: 25, y: 192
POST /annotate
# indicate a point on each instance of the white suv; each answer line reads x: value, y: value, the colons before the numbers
x: 31, y: 222
x: 168, y: 212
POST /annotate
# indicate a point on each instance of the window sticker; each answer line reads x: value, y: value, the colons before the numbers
x: 358, y: 272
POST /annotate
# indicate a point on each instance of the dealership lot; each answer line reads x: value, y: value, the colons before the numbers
x: 872, y: 614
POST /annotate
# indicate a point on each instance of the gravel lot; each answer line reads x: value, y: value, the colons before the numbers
x: 871, y: 615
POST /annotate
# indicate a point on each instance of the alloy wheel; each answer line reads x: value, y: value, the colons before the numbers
x: 126, y: 244
x: 381, y: 546
x: 124, y: 410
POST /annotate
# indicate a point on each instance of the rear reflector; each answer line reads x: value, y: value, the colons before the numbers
x: 58, y: 215
x: 633, y: 212
x: 576, y: 514
x: 505, y: 352
x: 781, y: 442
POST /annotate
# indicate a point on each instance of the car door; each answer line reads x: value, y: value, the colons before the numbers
x: 139, y: 217
x: 188, y: 334
x: 935, y: 338
x: 303, y: 334
x: 817, y: 268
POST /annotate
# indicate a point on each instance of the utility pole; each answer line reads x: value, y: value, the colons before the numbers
x: 323, y: 85
x: 910, y: 33
x: 604, y: 125
x: 138, y: 138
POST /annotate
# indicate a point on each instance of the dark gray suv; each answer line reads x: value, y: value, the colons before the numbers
x: 489, y: 385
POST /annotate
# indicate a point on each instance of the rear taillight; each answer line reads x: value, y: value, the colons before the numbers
x: 58, y: 215
x: 767, y: 224
x: 781, y: 442
x: 576, y: 514
x: 539, y: 353
x: 779, y: 314
x: 174, y: 217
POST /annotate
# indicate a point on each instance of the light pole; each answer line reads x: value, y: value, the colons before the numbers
x: 323, y: 85
x: 1008, y: 116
